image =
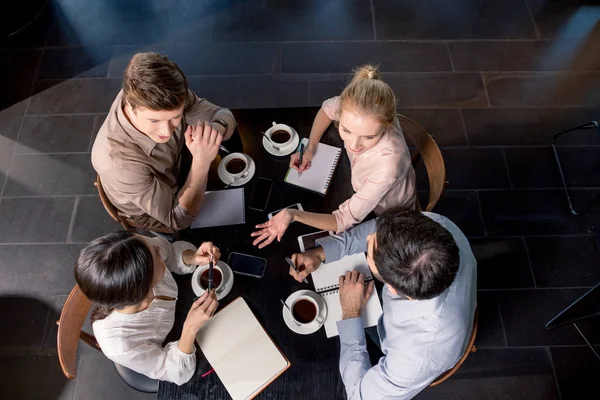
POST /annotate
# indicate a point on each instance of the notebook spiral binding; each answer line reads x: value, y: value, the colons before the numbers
x: 333, y: 167
x: 330, y: 289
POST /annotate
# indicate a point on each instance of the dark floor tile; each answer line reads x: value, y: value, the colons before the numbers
x: 33, y: 31
x: 532, y: 167
x: 526, y: 312
x: 565, y: 18
x: 535, y: 212
x: 445, y: 126
x: 462, y: 208
x: 11, y: 117
x: 252, y: 91
x: 74, y: 96
x: 500, y: 374
x: 41, y: 268
x: 84, y: 62
x: 564, y: 261
x: 207, y: 59
x: 439, y: 19
x: 98, y: 121
x: 440, y: 90
x: 490, y: 332
x: 97, y: 379
x: 7, y: 147
x: 17, y: 74
x: 131, y: 22
x: 24, y: 319
x: 344, y: 57
x: 475, y: 168
x: 272, y: 20
x: 35, y: 219
x: 502, y: 263
x: 580, y: 165
x: 91, y: 220
x: 55, y: 134
x: 577, y: 369
x: 55, y: 174
x: 543, y: 55
x: 528, y: 126
x: 35, y: 378
x: 543, y: 89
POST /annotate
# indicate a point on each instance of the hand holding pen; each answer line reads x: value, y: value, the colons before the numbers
x: 293, y: 266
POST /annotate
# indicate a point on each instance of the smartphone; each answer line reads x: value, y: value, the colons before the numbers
x: 309, y: 242
x: 245, y: 264
x: 296, y: 206
x: 261, y: 194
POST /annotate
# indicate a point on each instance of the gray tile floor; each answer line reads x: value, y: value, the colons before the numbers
x: 491, y: 80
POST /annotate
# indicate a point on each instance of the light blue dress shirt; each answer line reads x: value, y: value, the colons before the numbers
x: 421, y: 339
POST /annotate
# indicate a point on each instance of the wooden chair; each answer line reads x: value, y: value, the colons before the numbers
x: 109, y: 207
x: 470, y: 349
x: 70, y: 330
x: 428, y: 150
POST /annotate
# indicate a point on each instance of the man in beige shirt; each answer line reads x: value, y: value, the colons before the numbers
x: 137, y: 152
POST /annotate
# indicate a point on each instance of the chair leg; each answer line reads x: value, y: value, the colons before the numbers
x: 596, y: 201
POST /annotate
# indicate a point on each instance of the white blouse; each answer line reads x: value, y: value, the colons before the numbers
x: 135, y: 340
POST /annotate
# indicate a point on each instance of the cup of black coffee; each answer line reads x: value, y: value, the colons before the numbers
x: 217, y: 279
x: 236, y: 164
x: 305, y: 310
x: 280, y: 134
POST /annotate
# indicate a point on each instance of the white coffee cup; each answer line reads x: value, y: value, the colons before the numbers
x: 232, y: 164
x: 280, y: 127
x: 203, y: 276
x: 306, y: 310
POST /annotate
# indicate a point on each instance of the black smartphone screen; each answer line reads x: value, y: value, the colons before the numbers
x: 247, y: 265
x: 261, y: 194
x: 310, y: 241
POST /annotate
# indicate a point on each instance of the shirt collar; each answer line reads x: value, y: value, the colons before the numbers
x: 405, y: 309
x: 145, y: 143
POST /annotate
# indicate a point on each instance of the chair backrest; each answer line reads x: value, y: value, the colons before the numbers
x: 470, y: 349
x: 109, y: 207
x: 428, y: 150
x: 70, y: 325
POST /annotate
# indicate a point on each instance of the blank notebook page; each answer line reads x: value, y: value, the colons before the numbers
x: 221, y: 207
x: 321, y: 170
x: 327, y: 276
x: 238, y: 348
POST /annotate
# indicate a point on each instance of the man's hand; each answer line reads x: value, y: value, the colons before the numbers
x: 275, y: 228
x: 202, y: 255
x: 353, y: 295
x: 203, y: 141
x: 201, y: 311
x: 307, y: 263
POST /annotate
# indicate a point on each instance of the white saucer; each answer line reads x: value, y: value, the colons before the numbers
x: 226, y: 177
x: 308, y: 328
x: 284, y: 151
x: 227, y: 278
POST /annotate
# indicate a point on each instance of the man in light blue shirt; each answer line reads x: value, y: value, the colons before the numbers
x: 429, y: 299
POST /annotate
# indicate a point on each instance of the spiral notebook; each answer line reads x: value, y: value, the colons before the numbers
x: 221, y: 208
x: 326, y: 280
x: 318, y: 176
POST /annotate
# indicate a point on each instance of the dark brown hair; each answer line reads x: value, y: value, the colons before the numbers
x: 115, y: 271
x: 153, y: 81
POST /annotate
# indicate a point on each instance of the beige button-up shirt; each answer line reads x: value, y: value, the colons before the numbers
x: 382, y: 177
x: 139, y: 175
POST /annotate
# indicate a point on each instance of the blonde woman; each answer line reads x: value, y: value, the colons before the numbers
x: 382, y: 174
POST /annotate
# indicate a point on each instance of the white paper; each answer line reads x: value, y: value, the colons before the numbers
x: 220, y: 208
x: 240, y: 351
x: 317, y: 177
x: 327, y: 276
x: 370, y: 312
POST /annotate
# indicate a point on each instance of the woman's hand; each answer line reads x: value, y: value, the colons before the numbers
x: 307, y: 157
x: 275, y: 228
x: 202, y: 255
x: 201, y: 311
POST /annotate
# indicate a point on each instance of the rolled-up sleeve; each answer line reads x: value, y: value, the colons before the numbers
x: 203, y: 110
x: 172, y: 254
x: 350, y: 242
x: 357, y: 207
x: 331, y: 108
x: 152, y: 196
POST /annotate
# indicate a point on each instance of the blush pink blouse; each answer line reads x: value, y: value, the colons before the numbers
x: 382, y: 177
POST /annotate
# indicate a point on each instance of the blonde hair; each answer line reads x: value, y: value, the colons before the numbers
x: 153, y: 81
x: 369, y: 95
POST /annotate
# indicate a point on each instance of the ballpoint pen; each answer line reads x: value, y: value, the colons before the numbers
x: 301, y: 155
x: 210, y: 274
x: 289, y: 261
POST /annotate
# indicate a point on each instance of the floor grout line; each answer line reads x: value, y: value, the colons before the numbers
x: 554, y: 372
x: 537, y: 289
x: 502, y: 321
x: 487, y: 95
x: 72, y: 221
x: 535, y: 28
x: 450, y: 57
x: 464, y: 126
x: 485, y: 233
x: 510, y: 181
x: 49, y: 196
x: 373, y: 20
x: 529, y: 261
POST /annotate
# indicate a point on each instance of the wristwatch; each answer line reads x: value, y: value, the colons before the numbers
x: 222, y: 122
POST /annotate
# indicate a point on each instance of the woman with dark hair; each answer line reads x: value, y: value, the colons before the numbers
x: 129, y: 278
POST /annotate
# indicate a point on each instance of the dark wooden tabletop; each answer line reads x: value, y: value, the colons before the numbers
x: 314, y: 372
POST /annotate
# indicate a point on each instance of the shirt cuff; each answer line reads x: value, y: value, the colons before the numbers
x: 350, y: 328
x: 331, y: 249
x: 178, y: 248
x: 182, y: 355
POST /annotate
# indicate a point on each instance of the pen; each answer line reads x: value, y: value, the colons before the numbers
x: 208, y: 373
x: 210, y: 274
x: 301, y: 153
x: 289, y: 261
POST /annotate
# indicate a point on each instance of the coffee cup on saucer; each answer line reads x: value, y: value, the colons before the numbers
x: 306, y: 310
x: 218, y: 281
x: 284, y: 137
x: 236, y: 164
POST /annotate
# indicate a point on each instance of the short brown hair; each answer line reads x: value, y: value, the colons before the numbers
x: 153, y: 81
x: 370, y: 95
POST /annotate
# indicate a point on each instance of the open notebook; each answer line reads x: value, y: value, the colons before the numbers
x: 243, y: 355
x: 222, y: 207
x: 318, y: 176
x: 326, y: 280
